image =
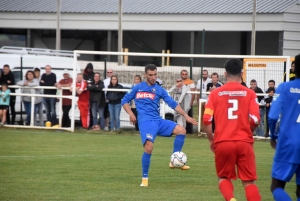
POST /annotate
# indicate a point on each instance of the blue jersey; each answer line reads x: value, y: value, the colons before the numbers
x: 147, y: 100
x: 286, y: 102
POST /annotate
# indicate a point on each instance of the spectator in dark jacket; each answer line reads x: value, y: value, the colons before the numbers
x: 260, y: 129
x: 49, y: 79
x: 8, y: 78
x: 88, y: 74
x: 97, y: 101
x: 114, y: 103
x: 268, y: 102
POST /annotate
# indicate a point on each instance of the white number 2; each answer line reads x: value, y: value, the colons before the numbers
x: 232, y: 109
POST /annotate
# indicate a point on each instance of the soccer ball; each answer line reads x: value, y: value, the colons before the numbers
x: 178, y: 159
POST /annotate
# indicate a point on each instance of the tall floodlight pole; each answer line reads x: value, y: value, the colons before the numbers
x: 58, y: 26
x: 120, y: 34
x: 253, y: 38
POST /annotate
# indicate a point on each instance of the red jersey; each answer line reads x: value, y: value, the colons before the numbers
x: 233, y: 108
x: 67, y: 92
x: 85, y: 95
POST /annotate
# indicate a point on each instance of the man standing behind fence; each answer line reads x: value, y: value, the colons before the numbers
x: 66, y: 103
x: 190, y: 83
x: 9, y: 79
x: 109, y: 73
x: 49, y: 79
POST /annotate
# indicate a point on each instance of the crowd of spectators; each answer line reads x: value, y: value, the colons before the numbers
x: 99, y: 109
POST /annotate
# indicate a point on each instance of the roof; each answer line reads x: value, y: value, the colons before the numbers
x: 149, y: 6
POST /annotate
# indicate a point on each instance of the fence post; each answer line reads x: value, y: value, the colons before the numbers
x: 163, y: 59
x: 60, y: 108
x: 32, y: 111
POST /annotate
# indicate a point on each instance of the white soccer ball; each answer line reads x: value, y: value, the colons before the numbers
x: 178, y: 159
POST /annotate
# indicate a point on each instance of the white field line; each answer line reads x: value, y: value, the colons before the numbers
x: 50, y: 156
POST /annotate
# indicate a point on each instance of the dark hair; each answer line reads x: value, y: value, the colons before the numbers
x: 272, y: 81
x: 110, y: 83
x: 4, y: 85
x: 297, y: 66
x: 26, y: 75
x: 214, y: 74
x: 293, y: 62
x: 253, y: 81
x: 151, y: 67
x: 97, y: 73
x: 138, y: 76
x: 233, y: 67
x: 183, y: 71
x: 6, y: 65
x: 271, y: 89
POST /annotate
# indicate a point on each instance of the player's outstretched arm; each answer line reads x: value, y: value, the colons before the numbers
x: 186, y: 116
x: 131, y: 115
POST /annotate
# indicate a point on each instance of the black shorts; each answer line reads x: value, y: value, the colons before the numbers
x: 4, y: 107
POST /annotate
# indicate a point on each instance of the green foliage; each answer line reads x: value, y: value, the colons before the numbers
x: 90, y: 165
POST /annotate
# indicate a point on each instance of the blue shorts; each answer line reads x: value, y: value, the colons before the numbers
x: 285, y: 171
x: 150, y: 129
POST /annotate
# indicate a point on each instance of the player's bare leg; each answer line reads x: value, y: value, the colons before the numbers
x: 180, y: 133
x: 148, y: 147
x: 277, y: 189
x: 251, y: 191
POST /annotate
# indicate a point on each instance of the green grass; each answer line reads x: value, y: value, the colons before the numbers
x: 85, y: 165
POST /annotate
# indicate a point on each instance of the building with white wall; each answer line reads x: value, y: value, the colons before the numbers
x: 156, y: 25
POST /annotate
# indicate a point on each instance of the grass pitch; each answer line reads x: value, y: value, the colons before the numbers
x: 90, y: 165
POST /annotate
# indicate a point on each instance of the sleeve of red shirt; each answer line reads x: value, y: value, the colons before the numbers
x: 209, y: 110
x: 254, y: 115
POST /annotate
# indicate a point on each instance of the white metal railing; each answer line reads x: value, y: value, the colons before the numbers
x: 33, y: 96
x: 60, y: 97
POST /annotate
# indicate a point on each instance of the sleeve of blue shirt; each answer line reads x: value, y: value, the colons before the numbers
x: 276, y: 109
x: 129, y: 95
x: 168, y: 99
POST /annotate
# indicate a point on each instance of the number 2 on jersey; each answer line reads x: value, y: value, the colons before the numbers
x: 233, y: 108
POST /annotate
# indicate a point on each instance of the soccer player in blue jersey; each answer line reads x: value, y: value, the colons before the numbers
x: 147, y: 97
x: 286, y: 102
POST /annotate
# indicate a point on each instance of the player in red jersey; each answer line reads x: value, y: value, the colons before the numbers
x: 236, y: 113
x: 83, y: 100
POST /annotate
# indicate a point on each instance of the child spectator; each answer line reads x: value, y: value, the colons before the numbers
x: 4, y: 103
x: 268, y: 101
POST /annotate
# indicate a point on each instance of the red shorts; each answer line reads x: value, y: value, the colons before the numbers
x: 232, y: 155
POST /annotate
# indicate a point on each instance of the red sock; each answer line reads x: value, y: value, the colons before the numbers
x: 226, y: 189
x: 252, y: 193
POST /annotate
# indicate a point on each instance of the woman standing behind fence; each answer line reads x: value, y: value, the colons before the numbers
x: 137, y: 80
x: 114, y: 103
x: 37, y: 75
x: 29, y: 82
x: 182, y: 98
x: 4, y: 102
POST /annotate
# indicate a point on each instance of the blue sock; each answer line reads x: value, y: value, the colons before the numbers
x: 178, y: 142
x: 298, y: 199
x: 280, y: 194
x: 145, y: 164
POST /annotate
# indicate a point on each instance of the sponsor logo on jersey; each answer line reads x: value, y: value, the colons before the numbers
x: 145, y: 95
x: 232, y: 93
x: 295, y: 90
x: 149, y: 136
